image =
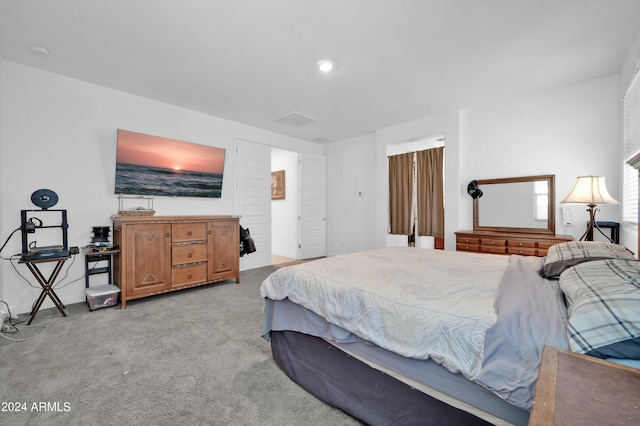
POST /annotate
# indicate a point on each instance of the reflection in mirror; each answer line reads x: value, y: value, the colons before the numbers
x: 523, y: 204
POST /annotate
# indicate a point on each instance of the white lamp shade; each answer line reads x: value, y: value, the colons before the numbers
x: 590, y: 190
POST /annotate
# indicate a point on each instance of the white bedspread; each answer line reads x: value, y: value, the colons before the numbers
x: 415, y: 302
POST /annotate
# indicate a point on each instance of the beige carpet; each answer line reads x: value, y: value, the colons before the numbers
x: 193, y: 357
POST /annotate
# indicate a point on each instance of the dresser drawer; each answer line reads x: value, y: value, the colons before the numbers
x: 516, y: 243
x: 188, y: 253
x: 494, y: 249
x: 524, y: 251
x: 467, y: 247
x: 192, y: 274
x: 188, y: 232
x: 467, y: 240
x: 492, y: 242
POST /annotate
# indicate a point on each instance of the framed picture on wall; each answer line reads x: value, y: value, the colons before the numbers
x: 277, y: 185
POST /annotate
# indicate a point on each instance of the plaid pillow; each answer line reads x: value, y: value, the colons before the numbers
x: 565, y: 255
x: 604, y: 311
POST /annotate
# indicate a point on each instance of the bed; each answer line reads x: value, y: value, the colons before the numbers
x: 412, y: 336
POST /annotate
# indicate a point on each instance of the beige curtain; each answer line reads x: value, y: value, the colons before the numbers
x: 400, y: 193
x: 430, y: 192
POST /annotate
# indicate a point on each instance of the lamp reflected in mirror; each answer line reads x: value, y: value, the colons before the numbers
x: 592, y: 191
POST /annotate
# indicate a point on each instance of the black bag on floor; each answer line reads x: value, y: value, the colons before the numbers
x: 247, y: 245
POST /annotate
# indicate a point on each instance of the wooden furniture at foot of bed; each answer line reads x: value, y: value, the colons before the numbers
x: 507, y: 243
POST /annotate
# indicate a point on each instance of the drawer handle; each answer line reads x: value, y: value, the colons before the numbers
x: 209, y: 232
x: 190, y: 255
x: 167, y: 235
x: 520, y: 244
x: 189, y: 233
x: 492, y: 242
x: 190, y: 276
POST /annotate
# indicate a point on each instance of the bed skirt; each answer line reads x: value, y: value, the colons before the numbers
x: 354, y: 387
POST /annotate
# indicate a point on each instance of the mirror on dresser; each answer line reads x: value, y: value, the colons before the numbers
x: 518, y: 204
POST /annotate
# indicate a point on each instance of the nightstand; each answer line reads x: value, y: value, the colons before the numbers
x: 103, y: 256
x: 577, y: 389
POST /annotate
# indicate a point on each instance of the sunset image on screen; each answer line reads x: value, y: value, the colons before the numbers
x: 152, y: 165
x: 146, y: 150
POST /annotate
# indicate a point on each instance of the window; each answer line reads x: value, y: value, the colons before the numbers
x: 541, y: 200
x: 631, y: 148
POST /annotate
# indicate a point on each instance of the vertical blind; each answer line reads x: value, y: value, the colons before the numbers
x: 631, y: 148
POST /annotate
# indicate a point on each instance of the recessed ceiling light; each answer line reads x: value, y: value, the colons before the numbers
x: 38, y: 50
x: 325, y: 66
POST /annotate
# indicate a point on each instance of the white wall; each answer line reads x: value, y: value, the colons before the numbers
x: 60, y: 133
x: 568, y: 132
x: 284, y: 213
x: 351, y: 195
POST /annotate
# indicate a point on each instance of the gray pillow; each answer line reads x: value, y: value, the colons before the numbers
x: 604, y: 308
x: 565, y: 255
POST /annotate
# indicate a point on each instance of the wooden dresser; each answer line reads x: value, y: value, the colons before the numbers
x: 575, y: 389
x: 507, y: 243
x: 159, y: 254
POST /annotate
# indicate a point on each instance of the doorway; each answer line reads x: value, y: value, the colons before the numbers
x: 414, y: 146
x: 284, y: 207
x: 298, y: 211
x: 298, y: 228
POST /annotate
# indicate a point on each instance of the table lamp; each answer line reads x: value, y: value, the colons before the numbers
x: 592, y: 191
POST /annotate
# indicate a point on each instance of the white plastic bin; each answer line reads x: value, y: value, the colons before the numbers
x: 102, y: 296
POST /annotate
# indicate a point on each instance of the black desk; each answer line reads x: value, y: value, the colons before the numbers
x: 96, y: 255
x: 614, y: 227
x: 46, y: 283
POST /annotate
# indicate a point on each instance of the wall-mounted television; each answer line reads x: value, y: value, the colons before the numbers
x: 153, y: 165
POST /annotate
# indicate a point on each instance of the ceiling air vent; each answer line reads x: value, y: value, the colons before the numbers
x: 321, y: 139
x: 295, y: 119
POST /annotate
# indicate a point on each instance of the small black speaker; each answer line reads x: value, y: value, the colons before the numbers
x: 473, y: 190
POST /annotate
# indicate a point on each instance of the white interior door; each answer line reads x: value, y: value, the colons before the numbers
x: 312, y: 228
x: 253, y: 199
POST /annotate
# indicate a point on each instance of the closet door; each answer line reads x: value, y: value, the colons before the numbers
x: 312, y: 210
x: 253, y: 199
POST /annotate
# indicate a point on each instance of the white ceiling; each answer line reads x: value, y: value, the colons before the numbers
x: 253, y: 61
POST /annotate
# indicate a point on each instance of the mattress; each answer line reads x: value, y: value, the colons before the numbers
x: 417, y: 303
